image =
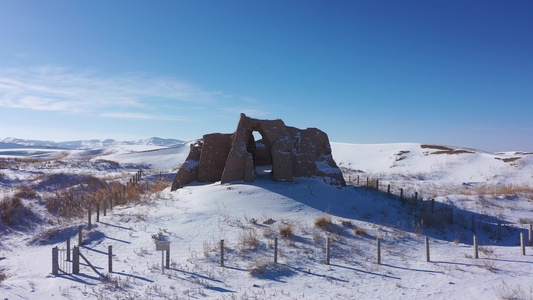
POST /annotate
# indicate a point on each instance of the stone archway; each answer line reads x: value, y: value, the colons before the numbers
x: 292, y: 153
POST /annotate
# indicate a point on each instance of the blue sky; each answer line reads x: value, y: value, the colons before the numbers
x: 447, y: 72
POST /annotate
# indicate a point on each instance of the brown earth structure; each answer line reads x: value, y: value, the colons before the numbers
x: 291, y: 152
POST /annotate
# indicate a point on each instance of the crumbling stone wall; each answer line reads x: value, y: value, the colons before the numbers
x: 232, y: 157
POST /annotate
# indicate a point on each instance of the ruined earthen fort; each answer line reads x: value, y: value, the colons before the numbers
x: 291, y: 152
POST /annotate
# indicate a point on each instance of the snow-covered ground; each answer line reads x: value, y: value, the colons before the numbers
x: 249, y: 216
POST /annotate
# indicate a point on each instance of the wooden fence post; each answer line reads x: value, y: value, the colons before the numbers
x: 499, y: 230
x: 89, y: 219
x: 357, y: 180
x: 388, y: 190
x: 222, y: 253
x: 76, y: 260
x: 367, y: 181
x: 377, y: 184
x: 97, y: 212
x: 105, y: 207
x: 379, y: 251
x: 68, y: 249
x: 275, y: 250
x: 167, y: 259
x: 328, y: 245
x: 55, y: 261
x: 110, y: 259
x: 530, y: 235
x: 80, y: 235
x: 475, y: 247
x: 427, y: 249
x: 401, y: 194
x: 416, y: 197
x: 522, y: 244
x: 474, y: 223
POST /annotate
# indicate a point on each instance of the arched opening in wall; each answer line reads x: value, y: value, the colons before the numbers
x: 260, y: 148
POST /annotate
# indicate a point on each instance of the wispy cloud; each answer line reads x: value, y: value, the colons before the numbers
x: 142, y: 116
x: 126, y: 96
x: 60, y: 89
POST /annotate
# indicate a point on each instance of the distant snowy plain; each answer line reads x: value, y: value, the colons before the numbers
x: 249, y: 216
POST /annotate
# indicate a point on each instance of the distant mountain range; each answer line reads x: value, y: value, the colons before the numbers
x: 14, y: 143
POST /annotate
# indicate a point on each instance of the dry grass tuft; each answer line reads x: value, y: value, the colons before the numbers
x: 3, y: 275
x: 359, y: 231
x: 497, y: 190
x: 25, y: 192
x: 346, y: 223
x: 323, y: 222
x: 248, y: 240
x: 286, y: 231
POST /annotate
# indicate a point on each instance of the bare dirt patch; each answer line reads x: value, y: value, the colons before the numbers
x: 510, y: 159
x: 444, y: 149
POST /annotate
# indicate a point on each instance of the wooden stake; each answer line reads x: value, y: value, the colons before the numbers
x: 275, y: 250
x: 379, y: 251
x: 522, y: 243
x: 110, y: 259
x: 80, y: 236
x: 68, y: 249
x: 475, y: 247
x: 327, y: 250
x: 427, y: 249
x: 222, y: 253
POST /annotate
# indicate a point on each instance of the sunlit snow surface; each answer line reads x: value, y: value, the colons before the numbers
x: 195, y: 218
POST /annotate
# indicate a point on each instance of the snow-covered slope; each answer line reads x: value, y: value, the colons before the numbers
x: 249, y: 216
x: 433, y: 163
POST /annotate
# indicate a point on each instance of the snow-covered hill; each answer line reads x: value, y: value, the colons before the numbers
x: 249, y: 216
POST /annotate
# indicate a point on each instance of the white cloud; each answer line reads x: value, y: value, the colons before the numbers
x: 125, y: 96
x: 59, y: 89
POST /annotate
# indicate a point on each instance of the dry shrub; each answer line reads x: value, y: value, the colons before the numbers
x: 64, y: 204
x: 3, y: 275
x: 14, y: 212
x: 286, y: 231
x: 346, y: 223
x: 359, y: 231
x: 25, y: 192
x: 323, y: 222
x: 525, y: 221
